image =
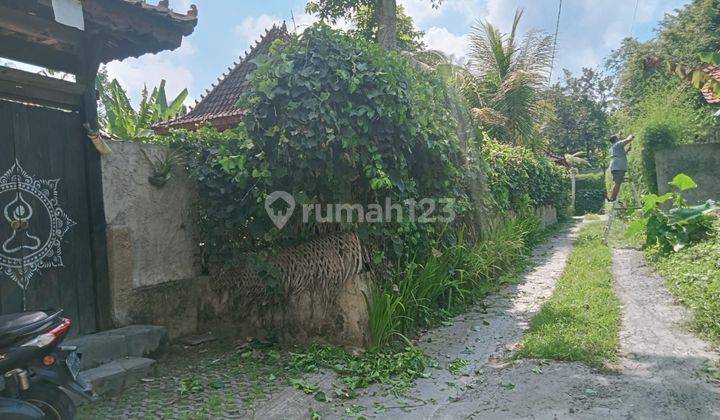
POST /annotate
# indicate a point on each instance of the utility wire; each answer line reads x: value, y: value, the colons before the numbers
x: 632, y: 25
x: 557, y: 30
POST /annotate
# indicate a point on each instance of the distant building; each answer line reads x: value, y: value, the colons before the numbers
x: 218, y: 107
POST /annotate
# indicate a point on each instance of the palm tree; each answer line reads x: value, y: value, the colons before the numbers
x: 573, y: 162
x: 508, y: 75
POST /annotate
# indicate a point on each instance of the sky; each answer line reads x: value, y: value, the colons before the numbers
x: 588, y: 31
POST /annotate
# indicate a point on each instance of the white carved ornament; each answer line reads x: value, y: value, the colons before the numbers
x: 33, y: 244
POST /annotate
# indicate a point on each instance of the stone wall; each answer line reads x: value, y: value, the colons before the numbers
x: 700, y: 161
x: 152, y: 245
x: 155, y: 276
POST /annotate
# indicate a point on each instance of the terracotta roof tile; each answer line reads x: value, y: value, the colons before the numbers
x: 219, y: 105
x: 709, y: 95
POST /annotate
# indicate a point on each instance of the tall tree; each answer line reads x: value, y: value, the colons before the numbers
x: 408, y: 38
x: 508, y: 77
x: 385, y: 14
x: 580, y: 115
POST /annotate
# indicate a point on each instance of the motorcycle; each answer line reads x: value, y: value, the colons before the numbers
x: 37, y: 374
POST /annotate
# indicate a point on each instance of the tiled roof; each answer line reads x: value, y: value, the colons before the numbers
x: 219, y: 105
x: 710, y: 96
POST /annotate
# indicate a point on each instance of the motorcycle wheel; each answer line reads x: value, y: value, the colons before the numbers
x: 51, y: 400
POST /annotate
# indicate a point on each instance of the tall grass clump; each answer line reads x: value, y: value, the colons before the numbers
x: 435, y: 287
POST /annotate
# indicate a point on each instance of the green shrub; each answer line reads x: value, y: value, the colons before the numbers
x: 589, y: 193
x: 693, y: 276
x: 665, y: 119
x: 674, y: 229
x: 519, y: 178
x: 330, y: 119
x: 589, y: 201
x: 590, y: 181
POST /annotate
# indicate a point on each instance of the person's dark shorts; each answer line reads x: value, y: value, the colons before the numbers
x: 618, y: 176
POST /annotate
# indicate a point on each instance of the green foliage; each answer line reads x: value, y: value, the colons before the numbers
x: 693, y: 30
x: 519, y: 178
x: 124, y: 122
x: 579, y: 115
x: 581, y: 320
x: 332, y: 10
x: 506, y: 80
x: 678, y: 227
x: 589, y: 193
x: 590, y: 181
x: 408, y: 38
x: 358, y: 125
x: 396, y: 369
x: 435, y: 287
x: 693, y: 276
x: 665, y: 119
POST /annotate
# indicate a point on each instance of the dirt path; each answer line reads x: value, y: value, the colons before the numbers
x: 659, y: 373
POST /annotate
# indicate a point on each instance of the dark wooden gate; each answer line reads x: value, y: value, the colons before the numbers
x: 46, y: 255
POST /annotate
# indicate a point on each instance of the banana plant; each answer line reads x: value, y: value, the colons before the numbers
x: 124, y: 122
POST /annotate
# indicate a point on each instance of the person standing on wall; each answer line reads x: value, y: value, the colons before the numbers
x: 618, y: 163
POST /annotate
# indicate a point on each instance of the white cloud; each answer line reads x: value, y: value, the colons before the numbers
x: 442, y: 39
x: 136, y: 73
x: 420, y: 10
x: 252, y: 27
x: 180, y: 6
x: 423, y: 13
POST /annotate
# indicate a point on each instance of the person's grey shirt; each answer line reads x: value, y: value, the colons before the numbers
x: 619, y: 157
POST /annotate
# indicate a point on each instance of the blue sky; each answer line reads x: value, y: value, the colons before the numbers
x: 589, y: 30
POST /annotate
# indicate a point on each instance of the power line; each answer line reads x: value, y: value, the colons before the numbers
x: 632, y: 25
x: 557, y: 29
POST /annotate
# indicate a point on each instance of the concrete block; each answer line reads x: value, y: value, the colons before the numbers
x: 97, y: 349
x: 115, y: 376
x: 140, y: 340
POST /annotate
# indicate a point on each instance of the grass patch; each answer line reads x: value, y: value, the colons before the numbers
x: 693, y: 276
x: 581, y: 321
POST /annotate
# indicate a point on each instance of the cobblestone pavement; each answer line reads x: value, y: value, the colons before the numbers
x: 216, y: 380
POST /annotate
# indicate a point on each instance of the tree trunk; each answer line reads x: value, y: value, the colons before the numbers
x: 572, y: 193
x: 387, y: 23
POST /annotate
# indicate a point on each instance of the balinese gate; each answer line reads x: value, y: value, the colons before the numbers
x: 45, y: 244
x: 52, y: 222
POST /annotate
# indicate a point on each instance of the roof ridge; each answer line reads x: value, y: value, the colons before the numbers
x: 218, y: 101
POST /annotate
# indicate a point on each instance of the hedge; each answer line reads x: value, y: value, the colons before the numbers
x: 519, y: 178
x: 589, y: 193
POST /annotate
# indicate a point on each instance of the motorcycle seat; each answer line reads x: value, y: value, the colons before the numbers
x: 13, y: 324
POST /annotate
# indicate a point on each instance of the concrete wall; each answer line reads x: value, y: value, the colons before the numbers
x: 152, y: 245
x: 700, y: 161
x: 155, y: 276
